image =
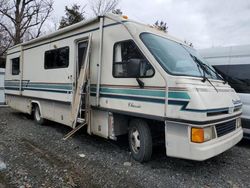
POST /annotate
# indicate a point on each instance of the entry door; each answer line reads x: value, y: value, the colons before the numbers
x: 82, y: 49
x: 83, y: 68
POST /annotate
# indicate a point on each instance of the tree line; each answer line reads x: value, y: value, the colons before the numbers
x: 23, y: 20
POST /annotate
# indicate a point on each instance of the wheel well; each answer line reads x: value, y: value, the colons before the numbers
x: 33, y: 105
x: 121, y: 124
x: 157, y: 129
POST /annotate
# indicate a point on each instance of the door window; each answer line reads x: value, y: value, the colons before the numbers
x: 82, y: 49
x: 129, y: 62
x: 15, y: 66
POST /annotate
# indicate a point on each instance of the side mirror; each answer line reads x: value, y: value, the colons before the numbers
x: 139, y: 68
x: 134, y: 68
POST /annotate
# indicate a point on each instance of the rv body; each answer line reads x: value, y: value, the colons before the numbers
x: 130, y: 91
x: 233, y: 64
x: 2, y: 98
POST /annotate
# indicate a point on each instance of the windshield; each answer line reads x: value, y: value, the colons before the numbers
x: 176, y: 58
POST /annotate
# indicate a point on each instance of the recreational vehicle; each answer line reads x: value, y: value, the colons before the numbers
x: 233, y: 63
x: 2, y: 100
x: 117, y: 76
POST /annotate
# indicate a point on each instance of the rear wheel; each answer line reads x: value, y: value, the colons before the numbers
x: 37, y: 115
x: 140, y: 140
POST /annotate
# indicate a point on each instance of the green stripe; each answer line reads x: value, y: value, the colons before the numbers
x: 178, y: 95
x: 151, y: 93
x: 66, y: 86
x: 69, y: 87
x: 143, y: 92
x: 137, y: 92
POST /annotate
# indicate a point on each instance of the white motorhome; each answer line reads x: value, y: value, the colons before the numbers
x: 2, y: 98
x: 233, y: 63
x: 117, y: 76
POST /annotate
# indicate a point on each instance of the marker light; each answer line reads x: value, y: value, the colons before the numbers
x: 200, y: 135
x: 125, y: 17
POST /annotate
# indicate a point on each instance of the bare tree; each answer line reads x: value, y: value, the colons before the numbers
x: 101, y: 7
x: 24, y: 17
x: 53, y: 24
x: 5, y: 41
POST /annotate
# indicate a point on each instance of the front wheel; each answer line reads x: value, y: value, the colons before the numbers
x: 37, y: 115
x: 140, y: 140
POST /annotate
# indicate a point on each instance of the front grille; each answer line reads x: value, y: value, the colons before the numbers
x: 225, y: 128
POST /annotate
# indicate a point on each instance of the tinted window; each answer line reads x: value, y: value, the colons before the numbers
x: 58, y: 58
x: 126, y: 55
x: 15, y: 66
x: 238, y: 76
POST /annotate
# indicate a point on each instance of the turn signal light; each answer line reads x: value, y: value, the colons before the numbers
x: 125, y: 17
x: 197, y: 135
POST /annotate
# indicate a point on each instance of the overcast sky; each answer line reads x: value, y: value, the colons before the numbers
x: 205, y: 23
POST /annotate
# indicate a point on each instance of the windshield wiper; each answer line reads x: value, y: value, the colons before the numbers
x: 204, y: 69
x: 217, y: 74
x: 203, y: 65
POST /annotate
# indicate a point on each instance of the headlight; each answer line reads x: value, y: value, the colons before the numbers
x: 200, y: 135
x: 238, y: 123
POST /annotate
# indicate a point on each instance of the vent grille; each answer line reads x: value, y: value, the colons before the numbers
x: 217, y: 113
x: 225, y: 128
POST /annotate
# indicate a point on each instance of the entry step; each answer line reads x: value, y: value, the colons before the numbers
x: 80, y: 120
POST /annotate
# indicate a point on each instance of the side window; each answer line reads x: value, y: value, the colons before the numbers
x: 15, y: 66
x: 129, y: 62
x: 57, y: 58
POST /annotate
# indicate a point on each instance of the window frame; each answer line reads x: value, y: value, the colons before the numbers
x: 65, y: 47
x: 113, y: 61
x: 15, y: 74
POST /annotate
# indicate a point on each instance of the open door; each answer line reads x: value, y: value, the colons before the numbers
x: 79, y: 111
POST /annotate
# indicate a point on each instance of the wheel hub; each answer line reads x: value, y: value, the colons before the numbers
x: 135, y: 138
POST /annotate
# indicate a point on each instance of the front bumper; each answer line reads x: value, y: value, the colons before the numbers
x: 214, y: 147
x: 180, y: 147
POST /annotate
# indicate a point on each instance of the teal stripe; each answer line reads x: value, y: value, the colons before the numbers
x: 49, y: 83
x: 178, y: 95
x: 50, y: 86
x: 143, y: 92
x: 137, y: 92
x: 67, y: 86
x: 152, y: 93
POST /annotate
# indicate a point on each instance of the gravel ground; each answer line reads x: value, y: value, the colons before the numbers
x: 36, y: 156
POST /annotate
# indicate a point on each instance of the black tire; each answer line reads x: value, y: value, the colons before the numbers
x: 37, y: 115
x: 139, y: 130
